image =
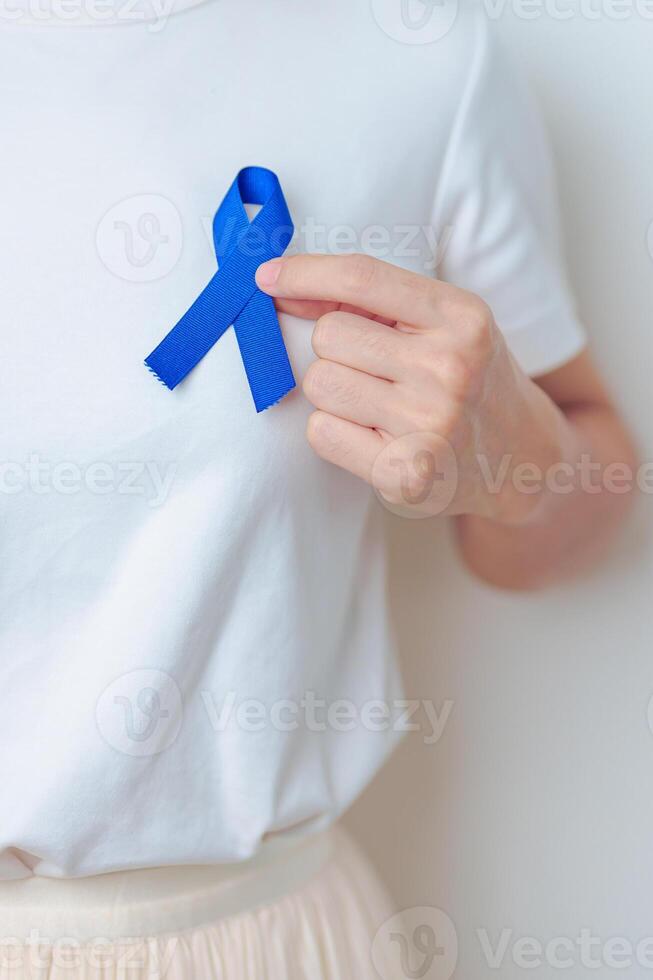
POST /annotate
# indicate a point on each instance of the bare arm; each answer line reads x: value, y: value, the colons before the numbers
x: 590, y: 488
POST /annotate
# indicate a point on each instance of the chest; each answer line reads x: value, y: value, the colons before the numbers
x: 123, y: 144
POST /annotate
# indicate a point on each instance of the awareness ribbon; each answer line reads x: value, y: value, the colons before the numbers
x: 232, y: 296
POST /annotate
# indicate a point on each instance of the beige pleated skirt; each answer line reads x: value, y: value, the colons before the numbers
x: 306, y: 910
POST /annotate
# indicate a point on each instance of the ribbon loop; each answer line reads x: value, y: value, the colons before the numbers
x: 232, y: 296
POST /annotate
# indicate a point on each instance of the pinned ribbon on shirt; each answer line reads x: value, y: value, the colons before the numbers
x: 232, y: 296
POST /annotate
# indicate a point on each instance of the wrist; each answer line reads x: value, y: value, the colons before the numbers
x: 542, y: 445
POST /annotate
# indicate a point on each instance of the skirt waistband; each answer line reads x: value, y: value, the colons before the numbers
x: 141, y: 904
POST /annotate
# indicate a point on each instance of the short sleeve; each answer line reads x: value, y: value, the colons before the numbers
x: 496, y: 213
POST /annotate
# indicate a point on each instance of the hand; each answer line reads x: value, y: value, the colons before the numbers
x: 414, y: 387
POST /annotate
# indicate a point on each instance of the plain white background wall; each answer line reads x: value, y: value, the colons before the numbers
x: 533, y: 814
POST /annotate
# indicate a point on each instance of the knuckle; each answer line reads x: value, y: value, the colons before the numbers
x: 374, y: 342
x: 479, y: 324
x: 292, y: 273
x: 458, y: 372
x: 324, y: 383
x: 434, y: 423
x: 360, y: 272
x: 425, y: 292
x: 411, y: 483
x: 321, y: 435
x: 431, y: 424
x: 413, y: 486
x: 387, y: 476
x: 323, y: 332
x: 312, y: 380
x: 434, y: 443
x: 403, y: 482
x: 423, y: 418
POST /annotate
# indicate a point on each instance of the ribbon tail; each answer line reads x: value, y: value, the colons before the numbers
x: 264, y: 353
x: 214, y: 310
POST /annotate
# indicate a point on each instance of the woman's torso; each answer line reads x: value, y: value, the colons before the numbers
x: 185, y: 590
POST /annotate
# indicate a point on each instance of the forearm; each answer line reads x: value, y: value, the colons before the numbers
x: 582, y: 499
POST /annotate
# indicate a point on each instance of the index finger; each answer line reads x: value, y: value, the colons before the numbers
x: 359, y: 280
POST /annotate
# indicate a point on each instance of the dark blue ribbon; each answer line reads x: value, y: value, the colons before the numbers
x: 232, y: 296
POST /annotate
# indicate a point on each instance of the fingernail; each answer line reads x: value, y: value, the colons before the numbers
x: 268, y: 273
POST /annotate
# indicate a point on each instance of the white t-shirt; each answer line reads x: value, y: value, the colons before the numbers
x: 194, y: 649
